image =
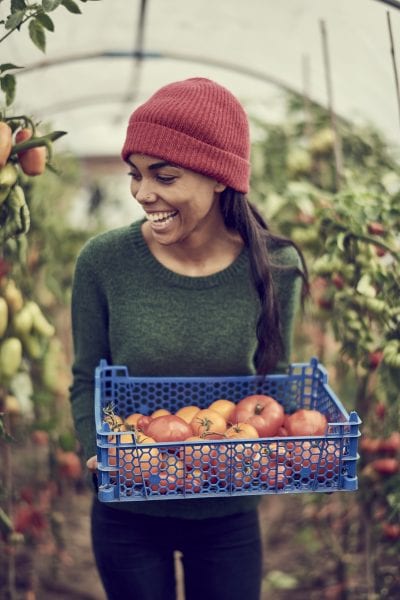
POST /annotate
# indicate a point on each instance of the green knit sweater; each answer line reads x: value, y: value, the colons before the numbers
x: 131, y: 310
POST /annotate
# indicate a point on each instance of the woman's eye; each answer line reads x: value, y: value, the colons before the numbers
x: 134, y: 175
x: 166, y: 178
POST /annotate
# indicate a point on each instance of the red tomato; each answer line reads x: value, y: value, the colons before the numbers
x: 386, y: 466
x: 263, y: 412
x: 391, y: 444
x: 69, y: 464
x: 391, y: 531
x: 369, y: 445
x: 208, y: 422
x: 306, y: 422
x: 168, y: 428
x: 32, y: 161
x: 143, y: 422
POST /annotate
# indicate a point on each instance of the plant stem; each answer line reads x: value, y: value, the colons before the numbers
x: 15, y: 28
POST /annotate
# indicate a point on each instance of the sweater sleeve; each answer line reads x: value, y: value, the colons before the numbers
x: 90, y: 338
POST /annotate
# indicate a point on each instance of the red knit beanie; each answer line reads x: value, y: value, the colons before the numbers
x: 196, y: 124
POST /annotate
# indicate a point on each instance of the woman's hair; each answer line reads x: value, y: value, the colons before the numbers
x: 242, y: 216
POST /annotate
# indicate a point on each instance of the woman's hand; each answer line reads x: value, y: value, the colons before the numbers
x: 91, y: 464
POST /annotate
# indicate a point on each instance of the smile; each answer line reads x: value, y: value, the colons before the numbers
x: 161, y: 217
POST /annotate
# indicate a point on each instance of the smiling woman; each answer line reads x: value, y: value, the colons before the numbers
x: 200, y: 286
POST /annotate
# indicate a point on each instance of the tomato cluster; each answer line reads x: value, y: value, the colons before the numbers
x: 143, y: 456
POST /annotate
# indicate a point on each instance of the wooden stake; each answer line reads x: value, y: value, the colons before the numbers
x: 306, y: 77
x: 337, y: 140
x: 394, y: 63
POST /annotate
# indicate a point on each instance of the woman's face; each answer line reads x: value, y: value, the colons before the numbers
x: 178, y: 203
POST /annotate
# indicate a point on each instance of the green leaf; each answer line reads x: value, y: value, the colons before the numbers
x: 37, y: 34
x: 8, y: 67
x: 8, y: 85
x: 50, y: 5
x: 71, y: 6
x: 45, y: 21
x: 17, y: 5
x: 14, y: 20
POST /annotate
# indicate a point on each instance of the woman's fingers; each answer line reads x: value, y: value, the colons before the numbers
x: 91, y: 463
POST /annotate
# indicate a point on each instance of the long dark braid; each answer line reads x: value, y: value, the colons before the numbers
x: 242, y: 216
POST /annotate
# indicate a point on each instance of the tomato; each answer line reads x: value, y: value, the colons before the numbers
x: 136, y: 464
x: 242, y: 431
x: 376, y: 228
x: 208, y: 422
x: 374, y: 359
x: 263, y: 412
x: 187, y: 412
x: 391, y: 531
x: 168, y: 428
x: 5, y: 143
x: 306, y: 422
x: 131, y: 420
x: 143, y: 423
x: 69, y: 465
x: 40, y: 437
x: 32, y: 161
x: 199, y: 455
x: 321, y: 460
x: 160, y: 412
x: 386, y: 466
x: 169, y: 475
x: 225, y: 407
x: 391, y: 444
x: 369, y: 445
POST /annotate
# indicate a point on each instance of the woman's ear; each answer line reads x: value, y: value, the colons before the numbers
x: 219, y: 187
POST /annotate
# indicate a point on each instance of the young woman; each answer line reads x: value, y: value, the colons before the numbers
x: 199, y: 286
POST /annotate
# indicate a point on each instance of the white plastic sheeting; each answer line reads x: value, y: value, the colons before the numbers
x: 91, y: 98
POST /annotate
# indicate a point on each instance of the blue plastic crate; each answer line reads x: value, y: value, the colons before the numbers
x: 129, y: 471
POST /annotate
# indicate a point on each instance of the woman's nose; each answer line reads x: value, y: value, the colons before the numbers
x: 144, y: 194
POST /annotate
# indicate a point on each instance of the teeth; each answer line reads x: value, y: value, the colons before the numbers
x: 160, y: 216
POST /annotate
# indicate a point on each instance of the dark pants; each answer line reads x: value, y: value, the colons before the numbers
x: 135, y: 555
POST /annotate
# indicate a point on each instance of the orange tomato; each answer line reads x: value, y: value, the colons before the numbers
x: 132, y: 420
x: 160, y: 412
x: 199, y: 456
x: 170, y: 475
x: 208, y: 422
x: 225, y: 407
x: 135, y: 463
x: 187, y: 413
x: 242, y: 431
